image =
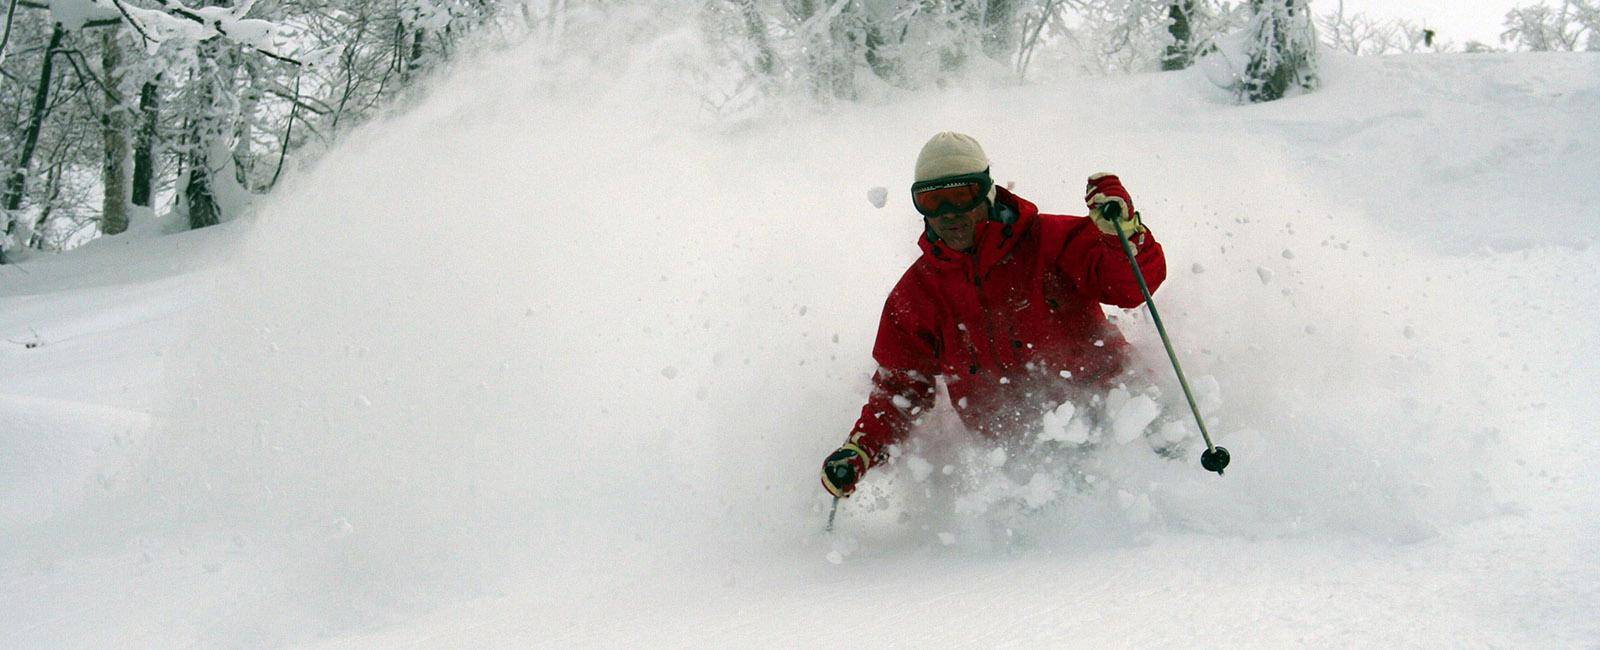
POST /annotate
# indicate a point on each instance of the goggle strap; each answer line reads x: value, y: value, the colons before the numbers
x: 981, y: 178
x: 947, y: 185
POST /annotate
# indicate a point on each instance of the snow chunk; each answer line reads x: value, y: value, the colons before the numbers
x: 947, y: 538
x: 252, y: 32
x: 670, y: 372
x: 1264, y: 273
x: 1130, y: 420
x: 1207, y: 394
x: 1060, y: 426
x: 1041, y: 489
x: 1063, y: 412
x: 835, y: 557
x: 901, y: 402
x: 997, y: 457
x: 1197, y: 269
x: 920, y: 469
x: 1114, y: 399
x: 1175, y: 431
x: 878, y: 196
x: 1288, y: 254
x: 1138, y: 507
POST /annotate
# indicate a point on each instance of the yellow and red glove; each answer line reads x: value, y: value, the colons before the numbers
x: 843, y: 468
x: 1106, y: 188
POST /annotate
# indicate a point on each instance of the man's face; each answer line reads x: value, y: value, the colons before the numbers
x: 957, y: 230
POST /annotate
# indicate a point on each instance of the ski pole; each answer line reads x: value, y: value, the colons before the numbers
x: 831, y: 512
x: 1214, y: 458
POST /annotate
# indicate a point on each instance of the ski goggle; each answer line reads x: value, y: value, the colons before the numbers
x: 951, y: 195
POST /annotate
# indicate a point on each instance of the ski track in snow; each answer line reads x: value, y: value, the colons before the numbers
x: 564, y: 375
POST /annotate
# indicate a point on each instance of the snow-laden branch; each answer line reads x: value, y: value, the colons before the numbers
x: 173, y: 21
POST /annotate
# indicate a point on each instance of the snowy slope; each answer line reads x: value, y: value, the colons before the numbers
x: 535, y: 365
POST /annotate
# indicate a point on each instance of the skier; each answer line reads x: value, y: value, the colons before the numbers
x: 1004, y: 304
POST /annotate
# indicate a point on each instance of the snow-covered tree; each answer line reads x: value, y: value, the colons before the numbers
x: 1570, y: 26
x: 839, y: 48
x: 106, y: 105
x: 24, y: 141
x: 1360, y: 34
x: 1282, y: 55
x: 1113, y: 36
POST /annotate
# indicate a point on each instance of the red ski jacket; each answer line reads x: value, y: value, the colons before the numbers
x: 1014, y: 327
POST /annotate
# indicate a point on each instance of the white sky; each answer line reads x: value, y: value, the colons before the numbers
x: 1454, y: 20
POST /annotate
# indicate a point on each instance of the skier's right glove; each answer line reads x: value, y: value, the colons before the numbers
x: 843, y: 468
x: 1106, y: 188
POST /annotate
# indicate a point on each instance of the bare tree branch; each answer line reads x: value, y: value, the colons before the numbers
x: 5, y: 40
x: 131, y: 22
x: 288, y: 131
x: 83, y: 76
x: 297, y: 100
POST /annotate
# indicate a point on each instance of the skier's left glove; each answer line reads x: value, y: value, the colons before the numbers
x: 843, y: 468
x: 1106, y: 188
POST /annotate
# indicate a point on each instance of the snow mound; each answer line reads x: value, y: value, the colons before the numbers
x: 57, y: 453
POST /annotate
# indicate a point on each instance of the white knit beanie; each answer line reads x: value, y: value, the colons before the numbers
x: 951, y: 154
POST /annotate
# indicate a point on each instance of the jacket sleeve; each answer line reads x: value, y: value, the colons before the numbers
x: 1094, y: 261
x: 903, y: 387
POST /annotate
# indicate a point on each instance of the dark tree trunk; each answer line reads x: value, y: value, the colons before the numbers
x: 414, y: 58
x: 144, y: 148
x: 197, y: 194
x: 17, y: 183
x: 1181, y: 52
x: 998, y: 35
x: 114, y: 137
